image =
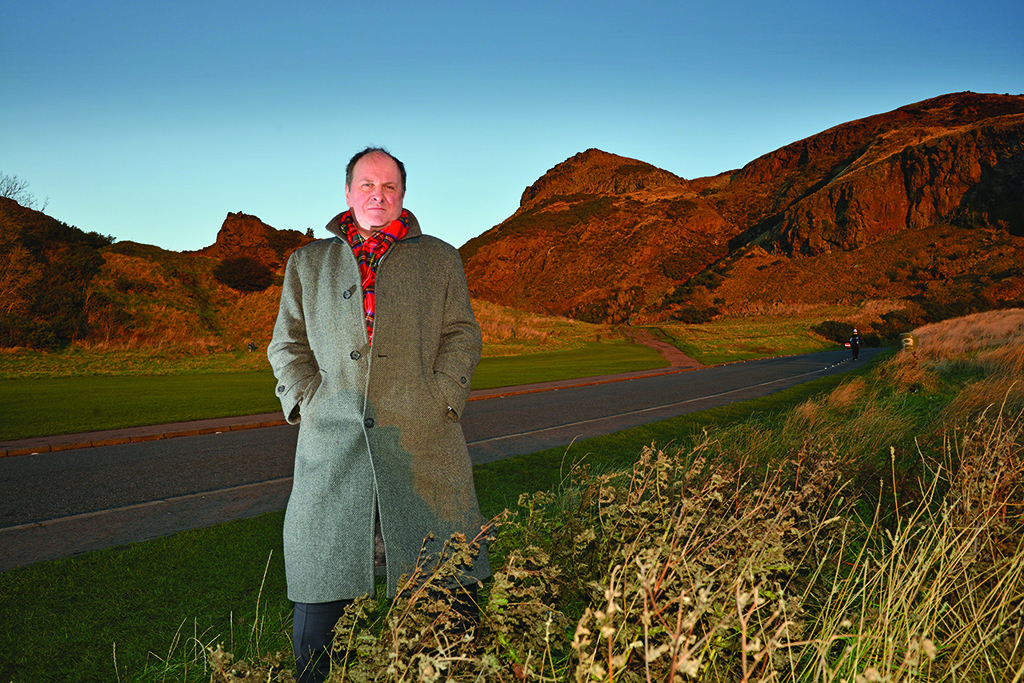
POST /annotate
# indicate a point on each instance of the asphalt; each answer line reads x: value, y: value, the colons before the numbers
x: 29, y: 543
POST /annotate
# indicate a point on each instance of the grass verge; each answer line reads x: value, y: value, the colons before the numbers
x: 67, y: 405
x: 744, y: 338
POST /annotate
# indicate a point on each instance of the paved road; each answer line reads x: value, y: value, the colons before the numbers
x: 66, y: 502
x: 524, y: 423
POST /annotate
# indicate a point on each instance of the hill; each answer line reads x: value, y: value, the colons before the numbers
x: 243, y: 235
x: 46, y: 270
x: 62, y: 285
x: 922, y: 206
x: 912, y: 216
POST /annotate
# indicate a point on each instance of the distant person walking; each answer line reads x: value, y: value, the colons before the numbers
x: 374, y: 347
x: 855, y: 344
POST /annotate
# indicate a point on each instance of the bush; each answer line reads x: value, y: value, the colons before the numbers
x: 691, y: 315
x: 244, y: 274
x: 834, y: 331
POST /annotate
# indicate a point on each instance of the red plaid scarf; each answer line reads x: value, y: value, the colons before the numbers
x: 368, y: 252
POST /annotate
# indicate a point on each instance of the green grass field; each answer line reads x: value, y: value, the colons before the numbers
x: 731, y: 339
x: 67, y: 405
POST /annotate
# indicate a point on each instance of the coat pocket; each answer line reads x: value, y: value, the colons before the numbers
x: 437, y: 383
x: 443, y: 409
x: 309, y: 396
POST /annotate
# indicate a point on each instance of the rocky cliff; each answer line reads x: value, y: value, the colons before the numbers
x: 606, y: 237
x: 243, y: 235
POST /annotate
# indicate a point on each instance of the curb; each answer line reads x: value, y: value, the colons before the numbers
x: 16, y: 450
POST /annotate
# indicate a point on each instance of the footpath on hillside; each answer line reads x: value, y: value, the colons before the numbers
x: 675, y: 357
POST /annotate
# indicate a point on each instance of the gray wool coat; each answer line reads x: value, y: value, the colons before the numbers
x: 378, y: 425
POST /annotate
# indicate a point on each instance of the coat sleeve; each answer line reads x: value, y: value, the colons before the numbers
x: 461, y: 341
x: 289, y: 352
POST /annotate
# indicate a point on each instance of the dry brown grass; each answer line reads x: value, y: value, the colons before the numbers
x: 805, y: 415
x: 972, y: 334
x: 784, y: 309
x: 845, y: 395
x: 990, y: 344
x: 907, y: 372
x: 509, y: 332
x: 133, y: 269
x: 146, y: 305
x: 251, y: 317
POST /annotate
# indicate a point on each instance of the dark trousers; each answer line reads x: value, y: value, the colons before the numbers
x: 312, y: 632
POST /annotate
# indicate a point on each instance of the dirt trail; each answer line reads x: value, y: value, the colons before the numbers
x: 674, y: 356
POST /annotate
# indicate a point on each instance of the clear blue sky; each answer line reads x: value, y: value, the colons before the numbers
x: 150, y: 121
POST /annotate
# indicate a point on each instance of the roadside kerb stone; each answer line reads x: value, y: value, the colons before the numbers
x: 117, y: 437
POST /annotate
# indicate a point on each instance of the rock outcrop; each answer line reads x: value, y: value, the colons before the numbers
x: 601, y: 236
x: 912, y: 174
x: 243, y: 235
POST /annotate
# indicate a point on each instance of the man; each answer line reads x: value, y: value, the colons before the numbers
x: 374, y: 347
x: 855, y: 344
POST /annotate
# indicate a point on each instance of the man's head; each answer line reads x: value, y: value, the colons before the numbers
x: 374, y: 188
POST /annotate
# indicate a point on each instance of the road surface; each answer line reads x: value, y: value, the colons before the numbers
x: 68, y: 502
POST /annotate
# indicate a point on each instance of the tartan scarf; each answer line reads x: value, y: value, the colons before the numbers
x: 368, y: 252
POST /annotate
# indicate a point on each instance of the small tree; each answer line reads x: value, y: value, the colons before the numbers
x: 13, y: 187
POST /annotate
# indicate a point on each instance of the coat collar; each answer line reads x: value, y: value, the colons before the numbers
x: 334, y: 226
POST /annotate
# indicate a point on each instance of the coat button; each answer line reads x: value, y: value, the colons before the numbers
x: 354, y: 355
x: 347, y: 294
x: 280, y: 389
x: 368, y: 422
x: 463, y: 380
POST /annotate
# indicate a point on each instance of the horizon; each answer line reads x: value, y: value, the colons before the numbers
x: 120, y: 113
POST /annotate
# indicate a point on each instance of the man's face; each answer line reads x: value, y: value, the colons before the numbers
x: 376, y: 193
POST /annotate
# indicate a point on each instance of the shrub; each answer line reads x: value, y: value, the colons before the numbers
x: 834, y: 330
x: 244, y: 274
x: 691, y: 315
